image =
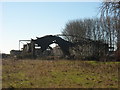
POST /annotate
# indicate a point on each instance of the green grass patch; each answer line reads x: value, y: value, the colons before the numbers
x: 59, y: 74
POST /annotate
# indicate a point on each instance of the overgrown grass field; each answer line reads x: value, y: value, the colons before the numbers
x: 59, y: 74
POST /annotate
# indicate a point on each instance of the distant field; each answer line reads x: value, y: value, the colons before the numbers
x: 59, y: 74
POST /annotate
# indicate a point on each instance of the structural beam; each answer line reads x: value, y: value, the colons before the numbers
x: 22, y: 41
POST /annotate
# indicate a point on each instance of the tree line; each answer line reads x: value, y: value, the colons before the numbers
x: 105, y: 28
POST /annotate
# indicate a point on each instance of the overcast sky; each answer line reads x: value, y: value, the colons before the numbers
x: 26, y: 20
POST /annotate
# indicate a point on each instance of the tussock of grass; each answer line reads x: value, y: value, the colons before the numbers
x: 59, y: 74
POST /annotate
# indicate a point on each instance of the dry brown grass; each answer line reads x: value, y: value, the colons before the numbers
x: 59, y: 74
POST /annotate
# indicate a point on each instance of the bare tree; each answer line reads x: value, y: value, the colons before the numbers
x: 74, y: 30
x: 90, y: 28
x: 106, y: 28
x: 111, y: 8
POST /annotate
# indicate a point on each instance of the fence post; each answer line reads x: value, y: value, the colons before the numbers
x: 33, y: 48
